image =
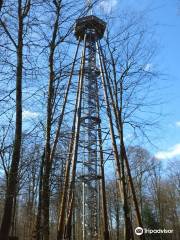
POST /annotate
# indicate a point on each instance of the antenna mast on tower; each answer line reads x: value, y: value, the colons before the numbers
x: 89, y: 4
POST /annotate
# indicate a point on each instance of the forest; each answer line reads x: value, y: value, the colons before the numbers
x: 77, y: 125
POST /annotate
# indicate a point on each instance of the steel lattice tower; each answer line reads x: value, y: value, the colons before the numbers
x: 90, y: 29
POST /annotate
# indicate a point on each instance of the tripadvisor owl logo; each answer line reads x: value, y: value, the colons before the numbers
x: 139, y: 231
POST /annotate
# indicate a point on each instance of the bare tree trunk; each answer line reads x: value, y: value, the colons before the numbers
x: 117, y: 223
x: 103, y: 184
x: 68, y: 229
x: 48, y: 160
x: 38, y: 226
x: 1, y: 3
x: 13, y: 227
x: 103, y: 190
x: 13, y: 174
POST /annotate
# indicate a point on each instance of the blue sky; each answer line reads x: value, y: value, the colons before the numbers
x: 165, y: 15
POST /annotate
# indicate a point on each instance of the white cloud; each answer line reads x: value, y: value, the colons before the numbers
x: 148, y: 67
x: 108, y: 5
x: 128, y: 136
x: 170, y: 153
x: 29, y: 114
x: 178, y: 124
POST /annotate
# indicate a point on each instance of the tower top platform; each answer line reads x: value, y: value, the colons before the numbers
x: 91, y: 24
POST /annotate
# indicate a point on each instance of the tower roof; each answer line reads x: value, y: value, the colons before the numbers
x: 89, y: 23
